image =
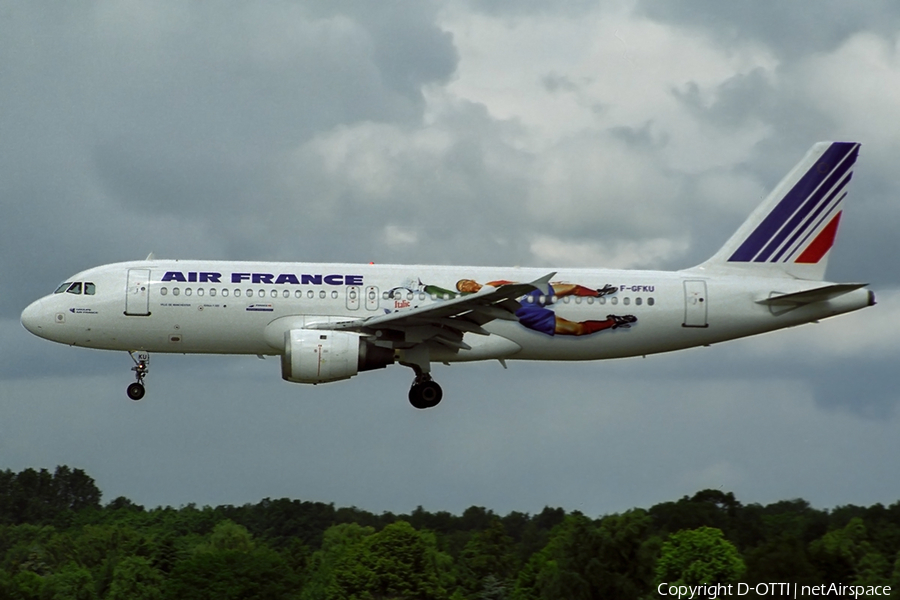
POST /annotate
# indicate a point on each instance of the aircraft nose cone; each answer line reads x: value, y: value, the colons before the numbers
x: 32, y: 318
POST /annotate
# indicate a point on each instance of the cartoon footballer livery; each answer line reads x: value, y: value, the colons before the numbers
x: 329, y: 322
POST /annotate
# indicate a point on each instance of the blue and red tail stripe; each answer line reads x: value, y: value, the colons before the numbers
x: 813, y: 200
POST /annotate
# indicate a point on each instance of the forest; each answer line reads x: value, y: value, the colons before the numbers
x: 58, y: 540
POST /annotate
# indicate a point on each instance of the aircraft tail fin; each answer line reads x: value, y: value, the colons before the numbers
x: 792, y: 231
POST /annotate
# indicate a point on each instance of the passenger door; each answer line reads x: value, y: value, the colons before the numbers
x: 137, y: 293
x: 695, y: 304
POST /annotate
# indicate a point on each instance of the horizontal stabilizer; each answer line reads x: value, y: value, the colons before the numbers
x: 809, y: 296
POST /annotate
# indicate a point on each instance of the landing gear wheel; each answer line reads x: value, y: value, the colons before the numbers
x: 141, y: 367
x: 425, y: 394
x: 136, y: 391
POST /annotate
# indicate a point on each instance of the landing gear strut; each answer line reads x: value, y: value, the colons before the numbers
x: 141, y: 368
x: 425, y: 393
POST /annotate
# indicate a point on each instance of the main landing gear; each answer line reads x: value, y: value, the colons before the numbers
x: 425, y: 392
x: 141, y: 367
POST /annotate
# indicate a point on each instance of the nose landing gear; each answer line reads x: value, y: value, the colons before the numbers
x: 141, y: 368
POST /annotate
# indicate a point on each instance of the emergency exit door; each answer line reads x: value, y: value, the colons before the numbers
x: 695, y: 304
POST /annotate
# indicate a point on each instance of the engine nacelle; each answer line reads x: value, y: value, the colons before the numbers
x: 320, y: 356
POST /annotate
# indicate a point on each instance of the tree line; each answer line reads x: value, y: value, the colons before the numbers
x: 58, y: 541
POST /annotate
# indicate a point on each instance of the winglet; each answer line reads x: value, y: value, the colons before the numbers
x: 543, y: 281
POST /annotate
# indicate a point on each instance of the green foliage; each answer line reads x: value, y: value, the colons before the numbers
x: 57, y: 541
x: 37, y: 497
x: 71, y: 583
x: 135, y: 578
x: 487, y: 565
x: 697, y: 556
x: 228, y: 535
x: 230, y: 574
x: 847, y: 555
x: 609, y: 558
x: 397, y: 562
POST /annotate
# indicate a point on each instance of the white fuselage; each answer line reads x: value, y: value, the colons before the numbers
x: 247, y: 307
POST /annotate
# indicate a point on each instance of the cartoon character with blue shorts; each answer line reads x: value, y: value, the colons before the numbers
x: 535, y: 314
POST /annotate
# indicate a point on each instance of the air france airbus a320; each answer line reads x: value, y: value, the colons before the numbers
x: 329, y: 322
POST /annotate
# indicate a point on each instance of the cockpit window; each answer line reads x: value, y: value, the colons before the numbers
x: 89, y: 288
x: 75, y: 288
x: 63, y: 287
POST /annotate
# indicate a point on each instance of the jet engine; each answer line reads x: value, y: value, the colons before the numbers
x: 320, y: 356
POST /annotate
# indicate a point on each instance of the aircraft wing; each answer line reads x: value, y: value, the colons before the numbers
x: 444, y: 321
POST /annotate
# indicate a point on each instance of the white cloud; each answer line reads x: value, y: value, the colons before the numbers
x: 623, y: 254
x: 397, y: 236
x: 857, y: 85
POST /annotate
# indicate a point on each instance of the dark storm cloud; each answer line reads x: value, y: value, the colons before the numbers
x: 147, y: 124
x: 790, y: 29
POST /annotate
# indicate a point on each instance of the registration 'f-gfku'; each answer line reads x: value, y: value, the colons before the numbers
x: 329, y: 322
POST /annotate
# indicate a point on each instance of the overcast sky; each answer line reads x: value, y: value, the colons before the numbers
x: 635, y: 135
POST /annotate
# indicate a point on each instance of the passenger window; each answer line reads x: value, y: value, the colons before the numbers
x: 224, y: 292
x: 63, y: 287
x: 334, y: 294
x: 650, y: 301
x: 249, y: 293
x: 75, y: 288
x: 175, y: 291
x: 614, y: 300
x: 322, y: 294
x: 212, y: 291
x: 626, y: 301
x: 286, y: 294
x: 590, y: 300
x: 386, y: 295
x: 237, y: 293
x: 199, y: 291
x: 298, y: 294
x: 163, y: 291
x: 310, y: 294
x: 274, y: 293
x: 187, y: 291
x: 90, y: 289
x: 601, y: 300
x: 638, y: 301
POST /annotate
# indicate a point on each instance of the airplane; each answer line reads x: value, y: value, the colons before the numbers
x: 330, y: 322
